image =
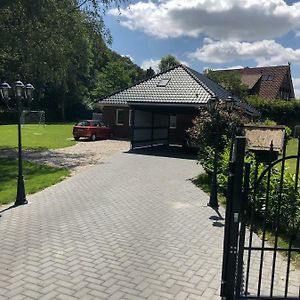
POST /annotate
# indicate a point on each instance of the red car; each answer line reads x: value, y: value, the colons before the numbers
x: 92, y: 129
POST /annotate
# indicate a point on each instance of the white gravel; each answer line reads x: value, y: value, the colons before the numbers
x: 75, y: 158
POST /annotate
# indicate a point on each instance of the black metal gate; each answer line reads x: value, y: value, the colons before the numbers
x: 261, y: 227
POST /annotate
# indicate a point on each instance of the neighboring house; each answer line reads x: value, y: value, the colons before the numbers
x: 267, y: 82
x: 160, y: 109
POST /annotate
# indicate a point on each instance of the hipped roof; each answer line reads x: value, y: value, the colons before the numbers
x: 185, y: 87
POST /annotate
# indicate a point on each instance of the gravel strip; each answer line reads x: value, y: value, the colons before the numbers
x: 75, y: 158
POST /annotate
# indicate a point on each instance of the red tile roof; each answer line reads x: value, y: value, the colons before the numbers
x: 250, y: 80
x: 267, y: 88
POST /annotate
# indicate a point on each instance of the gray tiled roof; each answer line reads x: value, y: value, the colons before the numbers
x: 186, y: 86
x: 222, y: 93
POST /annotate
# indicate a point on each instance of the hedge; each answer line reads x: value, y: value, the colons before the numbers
x: 283, y: 112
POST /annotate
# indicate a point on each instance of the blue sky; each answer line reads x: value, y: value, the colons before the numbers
x: 209, y: 33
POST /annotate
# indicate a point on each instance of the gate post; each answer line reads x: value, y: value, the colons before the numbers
x: 232, y: 219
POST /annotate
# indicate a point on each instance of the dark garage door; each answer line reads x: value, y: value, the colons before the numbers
x: 149, y: 128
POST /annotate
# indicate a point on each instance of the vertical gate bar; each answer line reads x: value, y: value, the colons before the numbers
x: 294, y: 214
x: 242, y: 230
x: 251, y: 228
x: 297, y: 178
x: 235, y: 218
x: 288, y: 269
x: 297, y: 166
x: 227, y: 227
x: 277, y: 216
x: 265, y: 223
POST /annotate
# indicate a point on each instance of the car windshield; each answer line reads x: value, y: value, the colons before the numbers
x: 83, y: 123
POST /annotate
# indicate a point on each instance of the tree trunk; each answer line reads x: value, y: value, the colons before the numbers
x: 63, y: 114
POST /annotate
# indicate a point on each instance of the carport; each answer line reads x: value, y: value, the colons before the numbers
x: 151, y: 124
x: 159, y: 110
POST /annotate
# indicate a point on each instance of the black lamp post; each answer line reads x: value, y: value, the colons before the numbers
x: 20, y: 91
x: 212, y: 107
x: 229, y: 103
x: 213, y: 200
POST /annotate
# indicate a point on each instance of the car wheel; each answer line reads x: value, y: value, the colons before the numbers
x: 76, y: 138
x: 93, y: 137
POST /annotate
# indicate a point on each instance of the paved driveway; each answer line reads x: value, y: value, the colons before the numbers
x: 133, y: 227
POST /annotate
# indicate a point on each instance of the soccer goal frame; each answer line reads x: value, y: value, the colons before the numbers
x: 37, y: 117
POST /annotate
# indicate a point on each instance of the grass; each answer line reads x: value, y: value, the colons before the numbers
x: 203, y: 181
x: 37, y: 177
x: 37, y: 136
x: 292, y: 149
x: 283, y: 242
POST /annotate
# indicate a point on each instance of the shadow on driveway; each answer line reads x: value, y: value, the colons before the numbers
x: 173, y: 151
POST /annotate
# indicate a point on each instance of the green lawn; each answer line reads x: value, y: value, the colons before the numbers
x: 292, y: 148
x: 37, y: 136
x: 37, y: 177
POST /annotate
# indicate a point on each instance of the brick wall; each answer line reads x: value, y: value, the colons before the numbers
x: 177, y: 135
x: 183, y: 122
x: 109, y: 118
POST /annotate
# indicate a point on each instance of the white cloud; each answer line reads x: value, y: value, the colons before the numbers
x: 183, y: 62
x: 153, y: 63
x: 228, y: 68
x: 296, y: 82
x: 234, y: 19
x: 128, y: 56
x: 266, y: 52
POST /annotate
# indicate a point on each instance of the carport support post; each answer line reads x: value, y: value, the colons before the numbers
x: 152, y: 129
x: 168, y: 142
x: 132, y: 128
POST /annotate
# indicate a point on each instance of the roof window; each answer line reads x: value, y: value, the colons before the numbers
x: 267, y: 77
x: 164, y: 82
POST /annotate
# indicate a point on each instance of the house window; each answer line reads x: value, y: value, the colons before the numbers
x: 129, y: 117
x: 173, y: 122
x: 163, y: 82
x: 267, y: 77
x: 120, y: 117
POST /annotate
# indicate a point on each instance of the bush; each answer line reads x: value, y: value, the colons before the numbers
x: 284, y: 112
x: 290, y: 199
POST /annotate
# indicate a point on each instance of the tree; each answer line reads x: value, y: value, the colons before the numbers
x: 228, y: 80
x: 168, y: 62
x: 46, y: 43
x: 212, y: 132
x: 57, y: 45
x: 150, y: 72
x: 116, y: 75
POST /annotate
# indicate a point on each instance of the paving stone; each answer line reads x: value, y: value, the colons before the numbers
x: 134, y: 227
